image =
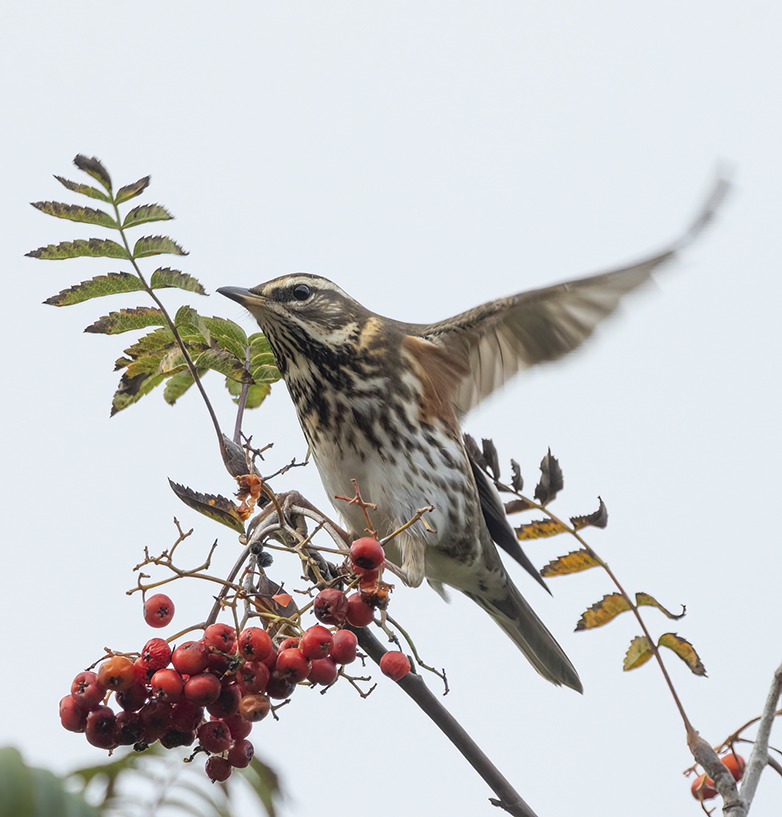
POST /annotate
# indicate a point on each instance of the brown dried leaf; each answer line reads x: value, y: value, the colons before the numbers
x: 215, y: 507
x: 684, y: 650
x: 645, y: 600
x: 539, y: 529
x: 551, y: 480
x: 598, y: 519
x: 474, y: 453
x: 574, y: 562
x: 603, y: 611
x: 491, y: 458
x: 517, y: 505
x: 517, y: 482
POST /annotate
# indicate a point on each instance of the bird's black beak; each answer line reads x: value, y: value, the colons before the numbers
x: 238, y: 294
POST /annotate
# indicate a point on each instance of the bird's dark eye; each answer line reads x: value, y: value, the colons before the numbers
x: 301, y: 292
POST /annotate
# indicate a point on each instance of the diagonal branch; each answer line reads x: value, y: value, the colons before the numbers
x: 758, y: 759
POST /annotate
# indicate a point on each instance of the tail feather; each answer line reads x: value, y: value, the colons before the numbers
x: 531, y: 636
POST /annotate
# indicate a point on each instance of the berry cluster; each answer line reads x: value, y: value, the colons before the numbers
x: 166, y: 695
x: 703, y: 786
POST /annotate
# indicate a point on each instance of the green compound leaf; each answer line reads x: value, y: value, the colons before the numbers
x: 84, y: 189
x: 130, y: 191
x: 262, y: 364
x: 215, y: 507
x: 255, y: 394
x: 220, y: 360
x: 112, y: 283
x: 191, y: 325
x: 74, y: 212
x: 638, y: 653
x: 177, y: 385
x: 132, y: 388
x: 165, y: 277
x: 229, y: 335
x: 81, y: 248
x: 156, y: 245
x: 159, y: 340
x: 126, y: 319
x: 145, y: 213
x: 95, y: 169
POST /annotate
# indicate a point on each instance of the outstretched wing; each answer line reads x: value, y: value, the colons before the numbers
x: 498, y: 339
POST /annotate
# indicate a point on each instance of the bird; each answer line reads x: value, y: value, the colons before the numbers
x: 381, y: 402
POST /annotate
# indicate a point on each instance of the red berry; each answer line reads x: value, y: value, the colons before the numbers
x: 241, y: 753
x: 288, y: 644
x: 221, y: 636
x: 101, y: 728
x: 292, y: 665
x: 158, y: 610
x: 116, y: 673
x: 366, y: 554
x: 186, y: 716
x: 130, y: 728
x: 252, y: 677
x: 734, y: 764
x: 133, y: 698
x: 316, y: 642
x: 239, y: 726
x: 331, y: 606
x: 143, y: 671
x: 271, y: 659
x: 177, y: 737
x: 87, y: 691
x: 156, y: 654
x: 214, y: 736
x: 72, y: 716
x: 345, y: 646
x: 254, y: 644
x: 359, y: 612
x: 218, y: 769
x: 395, y: 665
x: 203, y: 689
x: 190, y: 658
x: 703, y: 788
x: 279, y: 686
x: 156, y: 718
x: 166, y: 685
x: 254, y: 708
x: 220, y: 665
x: 227, y: 703
x: 323, y: 671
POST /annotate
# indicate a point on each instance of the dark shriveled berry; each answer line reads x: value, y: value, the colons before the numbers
x: 254, y: 708
x: 331, y: 606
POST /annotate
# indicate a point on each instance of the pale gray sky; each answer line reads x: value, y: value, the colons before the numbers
x: 426, y: 157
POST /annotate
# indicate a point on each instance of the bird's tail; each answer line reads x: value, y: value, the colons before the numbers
x: 531, y: 636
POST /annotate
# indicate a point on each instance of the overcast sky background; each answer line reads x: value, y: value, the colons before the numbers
x: 427, y: 157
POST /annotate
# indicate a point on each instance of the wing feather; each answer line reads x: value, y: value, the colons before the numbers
x: 498, y: 339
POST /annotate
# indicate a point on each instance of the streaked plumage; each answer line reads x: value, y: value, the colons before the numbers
x: 381, y: 401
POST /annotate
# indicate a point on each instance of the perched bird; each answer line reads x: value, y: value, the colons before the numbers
x: 381, y: 401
